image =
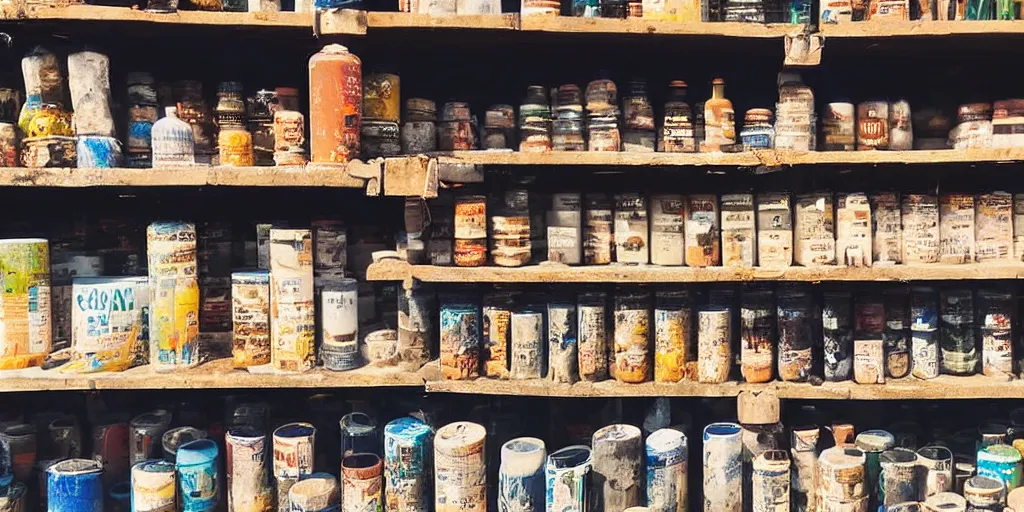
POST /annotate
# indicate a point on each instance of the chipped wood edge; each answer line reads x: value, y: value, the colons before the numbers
x: 408, y: 20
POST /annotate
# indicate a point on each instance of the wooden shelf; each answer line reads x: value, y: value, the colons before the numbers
x: 573, y: 25
x: 886, y: 29
x: 213, y: 375
x: 178, y: 177
x: 943, y: 387
x: 393, y: 270
x: 405, y: 20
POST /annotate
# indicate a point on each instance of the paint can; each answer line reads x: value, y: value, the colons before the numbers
x: 291, y: 296
x: 248, y: 479
x: 886, y: 228
x: 567, y: 477
x: 837, y: 335
x: 1001, y: 462
x: 564, y: 228
x: 853, y: 230
x: 995, y: 328
x: 317, y: 493
x: 897, y: 480
x: 460, y: 472
x: 598, y: 242
x: 470, y: 230
x: 937, y: 462
x: 250, y: 314
x: 774, y: 231
x: 26, y: 317
x: 521, y: 475
x: 956, y: 228
x: 739, y: 238
x: 617, y: 465
x: 110, y: 447
x: 497, y: 333
x: 795, y: 332
x: 956, y: 332
x: 340, y: 324
x: 945, y: 502
x: 667, y: 464
x: 921, y: 240
x: 460, y: 338
x: 563, y: 353
x: 814, y: 240
x: 64, y: 267
x: 632, y: 242
x: 510, y: 231
x: 869, y: 361
x: 330, y: 248
x: 20, y: 443
x: 147, y: 431
x: 109, y: 323
x: 842, y: 483
x: 527, y: 352
x: 177, y: 436
x: 408, y: 465
x: 771, y: 487
x: 9, y: 145
x: 673, y: 333
x: 804, y: 453
x: 872, y: 443
x: 153, y: 486
x: 293, y: 458
x: 668, y: 215
x: 723, y: 467
x: 98, y: 152
x: 757, y: 334
x: 174, y: 295
x: 872, y: 125
x: 593, y: 336
x: 702, y: 231
x: 415, y: 326
x: 335, y: 111
x: 198, y: 481
x: 714, y: 350
x: 756, y: 439
x: 632, y: 335
x: 993, y: 223
x: 74, y: 485
x: 984, y: 493
x: 838, y: 127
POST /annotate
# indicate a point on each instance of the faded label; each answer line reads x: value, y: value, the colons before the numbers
x: 956, y: 228
x: 853, y: 230
x: 738, y: 240
x: 994, y: 226
x: 774, y: 231
x: 814, y: 239
x: 920, y: 229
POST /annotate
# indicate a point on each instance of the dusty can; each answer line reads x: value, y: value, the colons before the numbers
x: 853, y: 230
x: 774, y: 231
x: 920, y: 215
x: 668, y: 213
x: 336, y: 104
x: 702, y: 231
x: 109, y: 323
x: 739, y: 239
x: 291, y: 300
x: 460, y: 468
x: 994, y: 227
x: 956, y: 228
x: 250, y: 313
x: 814, y: 240
x: 886, y: 228
x: 25, y: 318
x: 632, y: 336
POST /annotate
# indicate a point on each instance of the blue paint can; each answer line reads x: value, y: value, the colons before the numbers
x: 521, y: 482
x: 723, y: 467
x: 98, y: 152
x: 567, y: 477
x: 198, y: 484
x: 1001, y: 462
x: 408, y: 465
x: 75, y: 485
x: 666, y: 470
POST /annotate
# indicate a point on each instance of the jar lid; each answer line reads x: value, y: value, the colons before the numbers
x: 455, y: 111
x: 974, y: 112
x: 758, y: 116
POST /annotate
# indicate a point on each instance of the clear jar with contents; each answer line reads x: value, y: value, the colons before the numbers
x: 974, y: 127
x: 677, y: 127
x: 837, y: 335
x: 757, y: 334
x: 794, y: 307
x: 632, y: 361
x: 956, y: 332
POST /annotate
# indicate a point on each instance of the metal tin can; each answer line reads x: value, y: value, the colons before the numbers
x: 382, y: 97
x: 567, y: 474
x: 109, y: 323
x: 250, y: 313
x: 1001, y: 462
x: 668, y: 214
x: 838, y: 127
x: 497, y: 334
x: 920, y: 214
x: 455, y: 131
x: 198, y: 482
x: 26, y: 318
x: 291, y: 296
x: 339, y: 310
x: 897, y: 480
x: 415, y: 326
x: 336, y: 104
x: 795, y: 331
x: 739, y: 238
x: 293, y: 458
x: 771, y: 481
x: 853, y: 230
x: 632, y: 336
x: 837, y: 336
x: 459, y: 468
x: 673, y: 332
x: 408, y: 465
x: 563, y: 353
x: 598, y: 241
x: 632, y: 242
x: 175, y: 437
x: 564, y: 239
x: 667, y: 462
x: 593, y: 336
x: 617, y: 455
x: 956, y: 228
x: 723, y: 467
x: 873, y: 125
x: 248, y: 475
x: 317, y: 493
x: 886, y: 228
x: 841, y: 476
x: 74, y: 485
x: 153, y: 486
x: 804, y: 453
x: 757, y: 335
x: 937, y: 462
x: 957, y: 338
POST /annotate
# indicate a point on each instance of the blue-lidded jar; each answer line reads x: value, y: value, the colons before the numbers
x: 758, y: 132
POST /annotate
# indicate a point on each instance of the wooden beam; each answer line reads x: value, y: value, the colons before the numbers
x: 573, y: 25
x: 926, y: 28
x: 407, y: 20
x: 177, y: 177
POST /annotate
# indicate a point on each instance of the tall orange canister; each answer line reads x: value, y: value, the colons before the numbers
x: 335, y: 104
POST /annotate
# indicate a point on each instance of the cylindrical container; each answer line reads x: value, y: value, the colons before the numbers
x: 984, y: 494
x: 108, y: 316
x: 873, y: 125
x: 289, y: 138
x: 673, y: 332
x: 27, y: 335
x: 1001, y: 462
x: 362, y: 482
x: 499, y: 127
x: 886, y: 228
x: 632, y: 243
x: 527, y: 354
x: 841, y: 480
x: 668, y: 215
x: 945, y: 502
x: 956, y: 228
x: 470, y: 231
x: 154, y: 487
x: 198, y: 482
x: 714, y: 348
x: 74, y: 485
x: 455, y: 131
x: 872, y: 443
x: 957, y: 332
x: 898, y: 482
x: 419, y: 131
x: 89, y: 85
x: 172, y: 141
x: 774, y: 231
x: 995, y: 321
x: 408, y: 465
x: 598, y: 242
x: 358, y: 434
x: 897, y: 333
x: 757, y: 335
x: 563, y: 354
x: 340, y: 324
x: 921, y: 240
x: 591, y: 311
x: 564, y: 240
x: 460, y: 468
x: 924, y: 330
x: 1018, y: 226
x: 497, y: 334
x: 292, y: 314
x: 147, y: 431
x: 248, y: 476
x: 460, y: 339
x: 838, y: 127
x: 110, y: 439
x: 568, y: 479
x: 174, y: 295
x: 521, y: 475
x: 667, y: 465
x: 382, y: 97
x: 632, y: 336
x: 795, y: 331
x: 250, y: 313
x: 320, y: 493
x: 937, y: 463
x: 814, y: 239
x: 739, y: 237
x: 993, y: 224
x: 869, y: 361
x: 98, y: 152
x: 771, y: 482
x: 837, y: 335
x: 335, y: 104
x: 853, y: 230
x: 20, y: 440
x: 177, y: 436
x: 803, y: 449
x: 723, y: 461
x: 617, y: 460
x: 293, y: 458
x: 701, y: 229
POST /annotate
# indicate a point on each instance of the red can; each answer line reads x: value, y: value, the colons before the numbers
x: 335, y: 104
x: 110, y: 448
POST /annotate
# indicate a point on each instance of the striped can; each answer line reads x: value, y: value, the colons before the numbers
x: 109, y: 319
x: 408, y: 465
x: 198, y: 482
x: 248, y: 477
x: 770, y: 489
x: 667, y: 471
x: 317, y: 493
x: 75, y: 485
x: 1001, y: 462
x: 460, y: 340
x: 567, y: 477
x: 521, y: 475
x: 340, y: 311
x: 460, y: 468
x: 250, y: 317
x: 362, y: 482
x: 153, y: 486
x: 174, y: 295
x: 293, y: 458
x: 291, y: 297
x: 147, y: 430
x: 723, y: 468
x: 25, y: 315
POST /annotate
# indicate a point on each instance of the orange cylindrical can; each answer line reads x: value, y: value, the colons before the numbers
x: 335, y: 104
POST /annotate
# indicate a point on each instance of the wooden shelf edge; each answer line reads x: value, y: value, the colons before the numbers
x: 575, y: 25
x: 178, y: 176
x: 407, y: 20
x: 929, y: 28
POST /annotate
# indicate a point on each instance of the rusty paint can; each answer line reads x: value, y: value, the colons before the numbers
x: 837, y: 335
x: 250, y: 313
x: 293, y: 458
x: 335, y: 104
x: 147, y: 431
x: 174, y: 295
x: 771, y: 487
x: 873, y: 125
x: 460, y: 338
x: 108, y: 320
x: 598, y: 242
x: 248, y: 478
x: 592, y: 312
x: 921, y: 240
x: 563, y: 353
x: 739, y: 237
x: 673, y: 331
x: 702, y: 231
x: 632, y: 336
x: 774, y: 230
x: 175, y: 437
x: 714, y: 350
x: 110, y: 447
x: 527, y: 348
x: 455, y: 130
x: 497, y: 334
x: 937, y: 462
x: 470, y: 230
x: 291, y: 297
x: 956, y: 228
x: 153, y: 486
x: 460, y: 472
x: 994, y: 227
x: 632, y: 242
x: 853, y: 230
x: 668, y: 215
x: 886, y: 228
x: 382, y: 97
x: 26, y: 295
x: 617, y: 467
x: 757, y: 335
x: 419, y: 131
x: 795, y: 334
x: 814, y: 240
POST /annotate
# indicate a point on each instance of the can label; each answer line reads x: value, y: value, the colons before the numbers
x: 738, y: 239
x: 996, y: 352
x: 174, y: 322
x: 291, y: 287
x: 994, y: 223
x: 775, y: 231
x: 920, y: 229
x: 868, y: 362
x: 497, y: 334
x: 814, y: 234
x: 667, y: 218
x: 110, y: 324
x: 956, y: 228
x: 527, y: 345
x: 250, y: 309
x: 632, y: 331
x: 853, y: 230
x: 460, y: 342
x: 886, y: 228
x: 593, y: 343
x: 702, y: 231
x: 631, y: 230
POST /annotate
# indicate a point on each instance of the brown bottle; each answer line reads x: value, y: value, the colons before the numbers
x: 719, y: 119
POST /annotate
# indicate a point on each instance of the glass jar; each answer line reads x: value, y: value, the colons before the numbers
x: 567, y: 132
x: 260, y: 110
x: 674, y: 336
x: 794, y: 308
x: 974, y: 127
x: 897, y: 332
x: 638, y: 119
x: 956, y: 332
x: 535, y: 121
x: 837, y: 335
x: 757, y: 132
x: 757, y: 335
x: 677, y: 127
x: 632, y: 362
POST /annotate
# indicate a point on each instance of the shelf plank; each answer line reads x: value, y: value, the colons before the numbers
x: 575, y: 25
x: 929, y: 28
x: 393, y: 270
x: 943, y: 387
x: 407, y: 20
x: 296, y: 176
x: 213, y: 375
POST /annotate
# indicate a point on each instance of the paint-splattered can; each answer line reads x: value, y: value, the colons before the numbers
x: 1002, y: 463
x: 956, y: 228
x: 147, y: 431
x: 174, y: 295
x: 563, y: 223
x: 521, y: 475
x: 527, y: 349
x: 293, y: 458
x: 563, y: 354
x: 617, y: 465
x: 632, y: 336
x: 74, y: 485
x: 470, y: 231
x: 177, y: 436
x: 330, y: 248
x: 668, y: 214
x: 795, y: 331
x: 460, y: 338
x: 319, y: 493
x: 198, y: 479
x: 804, y: 453
x: 98, y: 152
x: 853, y: 230
x: 898, y: 482
x: 739, y: 238
x: 460, y: 482
x: 153, y: 486
x: 338, y: 305
x: 774, y: 230
x: 250, y: 312
x: 714, y: 349
x: 757, y: 335
x: 984, y: 493
x: 408, y: 465
x: 957, y: 332
x: 872, y: 443
x: 632, y: 243
x: 591, y: 310
x: 921, y: 240
x: 598, y: 243
x: 673, y: 334
x: 886, y: 228
x: 291, y: 296
x: 841, y: 478
x: 497, y: 333
x: 703, y: 247
x: 248, y: 475
x: 837, y: 335
x: 26, y: 295
x: 109, y: 320
x: 723, y: 468
x: 336, y: 104
x: 937, y: 463
x: 771, y: 487
x: 994, y: 227
x: 667, y: 460
x: 814, y: 239
x: 924, y: 340
x: 567, y: 476
x: 946, y: 502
